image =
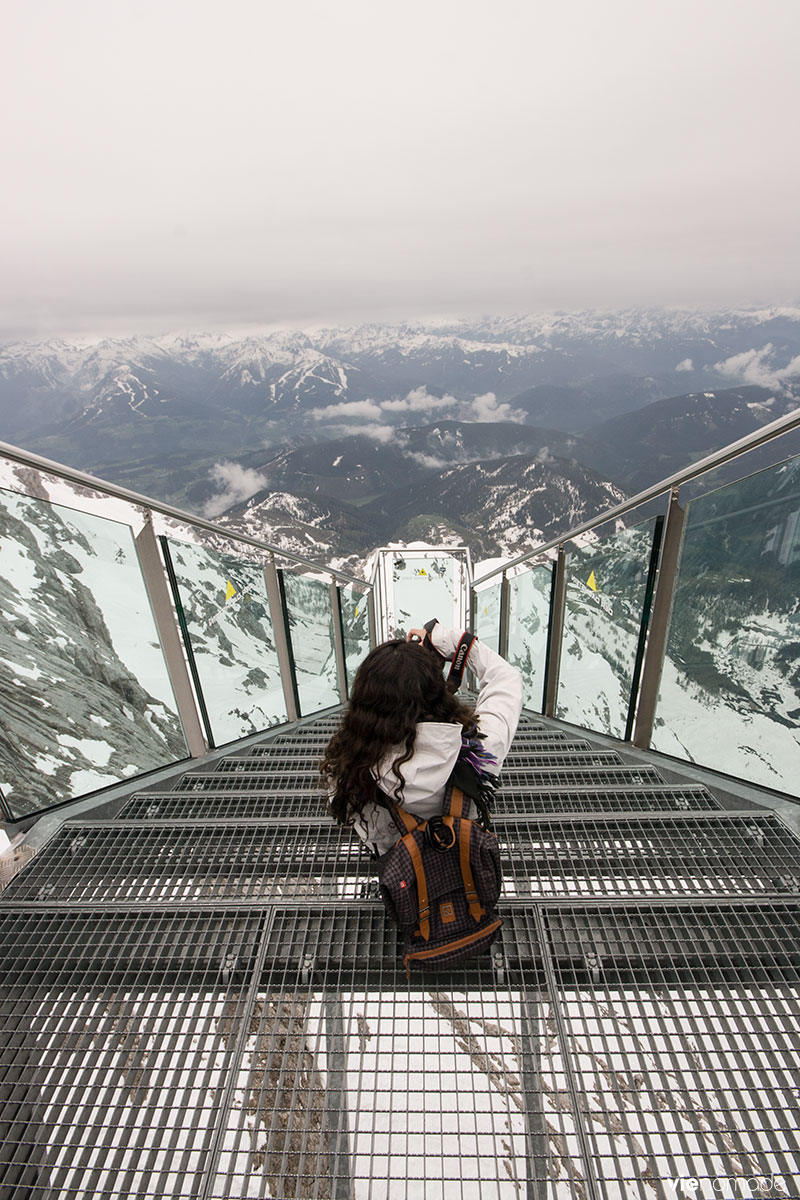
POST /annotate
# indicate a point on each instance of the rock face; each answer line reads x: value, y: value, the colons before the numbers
x: 84, y: 696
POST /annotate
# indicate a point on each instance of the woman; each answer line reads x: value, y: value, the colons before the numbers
x: 403, y: 731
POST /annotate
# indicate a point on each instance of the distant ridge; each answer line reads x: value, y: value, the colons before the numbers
x: 336, y: 437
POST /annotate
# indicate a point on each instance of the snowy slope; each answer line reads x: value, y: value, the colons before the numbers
x: 84, y: 694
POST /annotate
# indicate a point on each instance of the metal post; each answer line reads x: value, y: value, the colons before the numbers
x: 385, y: 593
x: 558, y: 600
x: 338, y: 640
x: 472, y: 618
x: 644, y: 625
x: 280, y: 632
x: 373, y: 630
x: 465, y: 572
x: 155, y: 582
x: 659, y: 623
x: 505, y: 614
x: 183, y: 625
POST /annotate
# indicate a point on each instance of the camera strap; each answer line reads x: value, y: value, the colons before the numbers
x: 459, y: 663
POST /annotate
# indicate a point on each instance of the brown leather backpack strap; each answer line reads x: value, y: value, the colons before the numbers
x: 410, y: 823
x: 476, y: 912
x: 453, y: 805
x: 422, y: 886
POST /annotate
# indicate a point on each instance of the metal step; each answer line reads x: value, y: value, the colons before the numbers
x: 516, y: 760
x: 560, y: 757
x: 193, y: 862
x: 593, y: 799
x: 215, y: 806
x: 282, y: 780
x: 533, y: 778
x: 311, y: 743
x: 221, y: 806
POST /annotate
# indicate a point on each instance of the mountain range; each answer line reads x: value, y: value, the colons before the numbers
x: 495, y: 504
x: 495, y: 430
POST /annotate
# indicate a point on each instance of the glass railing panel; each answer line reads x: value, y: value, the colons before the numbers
x: 419, y: 585
x: 528, y: 622
x: 355, y: 626
x: 310, y: 616
x: 730, y: 686
x: 606, y: 587
x: 487, y: 614
x: 228, y: 625
x: 85, y: 698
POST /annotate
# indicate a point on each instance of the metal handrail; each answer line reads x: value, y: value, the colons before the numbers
x: 753, y: 440
x: 17, y: 454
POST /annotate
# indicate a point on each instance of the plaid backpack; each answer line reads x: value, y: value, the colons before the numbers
x: 441, y: 881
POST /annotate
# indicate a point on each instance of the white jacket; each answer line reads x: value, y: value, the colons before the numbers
x: 437, y: 744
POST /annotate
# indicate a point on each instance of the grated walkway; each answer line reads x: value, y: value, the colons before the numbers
x: 202, y: 998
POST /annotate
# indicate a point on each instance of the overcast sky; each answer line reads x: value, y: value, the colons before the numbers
x: 195, y: 163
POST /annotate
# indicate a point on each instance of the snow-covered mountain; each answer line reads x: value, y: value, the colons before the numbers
x: 496, y: 506
x: 494, y: 430
x: 321, y: 530
x: 117, y: 402
x: 361, y: 468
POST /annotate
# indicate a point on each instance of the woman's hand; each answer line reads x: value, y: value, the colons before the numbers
x: 416, y: 635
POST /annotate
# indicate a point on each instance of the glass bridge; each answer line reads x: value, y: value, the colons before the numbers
x: 200, y: 995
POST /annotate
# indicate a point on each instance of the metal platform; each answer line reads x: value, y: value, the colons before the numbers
x: 202, y: 998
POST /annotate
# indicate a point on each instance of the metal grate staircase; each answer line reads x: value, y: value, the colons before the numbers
x: 202, y: 998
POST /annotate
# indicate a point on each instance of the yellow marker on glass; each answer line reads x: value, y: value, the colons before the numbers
x: 592, y: 582
x: 229, y: 591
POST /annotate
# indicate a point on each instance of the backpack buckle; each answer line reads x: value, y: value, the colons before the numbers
x: 440, y: 836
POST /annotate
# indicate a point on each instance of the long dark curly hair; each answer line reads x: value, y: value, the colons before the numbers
x: 398, y: 685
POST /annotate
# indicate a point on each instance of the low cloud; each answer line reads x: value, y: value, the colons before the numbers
x: 686, y: 365
x: 758, y: 367
x: 420, y: 400
x: 368, y: 409
x: 428, y: 460
x: 487, y: 408
x: 378, y: 433
x: 482, y: 409
x: 237, y: 483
